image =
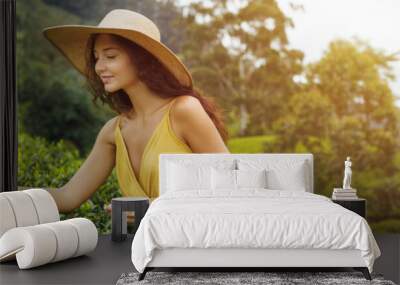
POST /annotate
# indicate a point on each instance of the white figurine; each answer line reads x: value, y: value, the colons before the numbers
x: 347, y: 174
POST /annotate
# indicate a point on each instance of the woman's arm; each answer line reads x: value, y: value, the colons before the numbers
x: 63, y: 203
x: 191, y: 122
x: 91, y: 175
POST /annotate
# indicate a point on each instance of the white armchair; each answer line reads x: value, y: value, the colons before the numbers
x: 31, y: 231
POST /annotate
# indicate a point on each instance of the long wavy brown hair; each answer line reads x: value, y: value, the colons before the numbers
x: 152, y: 73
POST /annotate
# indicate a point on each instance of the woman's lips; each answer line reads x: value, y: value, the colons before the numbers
x: 106, y: 79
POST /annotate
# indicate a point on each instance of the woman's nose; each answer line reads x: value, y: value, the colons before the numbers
x: 99, y: 66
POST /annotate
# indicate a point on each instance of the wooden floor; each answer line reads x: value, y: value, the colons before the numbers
x: 110, y: 259
x: 389, y: 262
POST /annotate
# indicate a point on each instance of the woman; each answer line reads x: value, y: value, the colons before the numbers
x: 127, y: 67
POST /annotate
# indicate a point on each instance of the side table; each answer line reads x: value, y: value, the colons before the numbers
x: 357, y: 205
x: 120, y: 206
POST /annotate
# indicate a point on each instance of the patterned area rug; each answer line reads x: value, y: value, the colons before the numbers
x: 230, y: 278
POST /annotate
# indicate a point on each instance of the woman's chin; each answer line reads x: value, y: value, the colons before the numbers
x: 110, y: 88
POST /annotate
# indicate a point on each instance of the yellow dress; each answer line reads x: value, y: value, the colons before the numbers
x: 163, y: 140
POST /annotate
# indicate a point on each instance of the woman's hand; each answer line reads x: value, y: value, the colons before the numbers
x: 130, y: 216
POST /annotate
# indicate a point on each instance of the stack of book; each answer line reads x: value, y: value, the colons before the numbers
x: 344, y: 194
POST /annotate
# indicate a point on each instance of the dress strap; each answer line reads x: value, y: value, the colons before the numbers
x: 116, y: 129
x: 171, y: 103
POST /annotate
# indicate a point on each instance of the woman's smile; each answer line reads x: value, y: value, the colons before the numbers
x: 106, y: 79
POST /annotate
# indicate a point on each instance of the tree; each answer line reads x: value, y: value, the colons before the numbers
x: 49, y: 89
x: 307, y: 128
x: 354, y: 76
x: 347, y: 109
x: 253, y: 74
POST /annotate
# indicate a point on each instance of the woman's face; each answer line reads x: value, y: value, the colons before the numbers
x: 113, y: 64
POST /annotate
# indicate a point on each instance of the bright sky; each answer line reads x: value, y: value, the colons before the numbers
x: 374, y: 21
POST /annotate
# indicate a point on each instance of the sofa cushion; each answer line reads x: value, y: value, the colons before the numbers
x: 40, y: 244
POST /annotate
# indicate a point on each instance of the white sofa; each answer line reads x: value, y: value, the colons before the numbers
x: 31, y: 231
x: 166, y: 236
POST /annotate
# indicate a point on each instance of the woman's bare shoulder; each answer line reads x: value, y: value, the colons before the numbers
x: 195, y: 126
x: 185, y: 106
x: 184, y: 110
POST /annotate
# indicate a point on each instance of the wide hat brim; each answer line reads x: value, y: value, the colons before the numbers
x: 71, y: 41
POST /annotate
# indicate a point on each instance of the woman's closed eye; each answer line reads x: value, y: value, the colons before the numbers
x: 109, y: 57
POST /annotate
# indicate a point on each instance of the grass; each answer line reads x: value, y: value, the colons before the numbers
x: 253, y: 144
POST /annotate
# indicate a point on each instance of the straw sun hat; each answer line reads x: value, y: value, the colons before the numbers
x: 71, y: 40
